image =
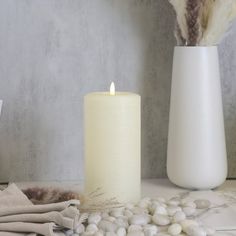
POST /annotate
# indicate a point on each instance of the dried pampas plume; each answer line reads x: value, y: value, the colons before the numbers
x: 181, y: 30
x: 220, y: 18
x: 202, y: 22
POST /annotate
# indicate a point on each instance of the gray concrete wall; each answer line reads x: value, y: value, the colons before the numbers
x: 53, y: 52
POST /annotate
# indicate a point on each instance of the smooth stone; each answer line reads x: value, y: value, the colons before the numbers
x: 94, y: 218
x: 104, y: 215
x: 139, y: 210
x: 107, y: 226
x: 178, y: 216
x: 161, y: 220
x: 134, y: 228
x: 144, y: 203
x: 116, y: 212
x: 110, y: 234
x: 160, y: 210
x: 135, y: 233
x: 99, y: 233
x: 171, y: 210
x: 121, y: 231
x: 150, y: 230
x: 128, y: 213
x: 189, y: 211
x: 195, y: 231
x: 186, y: 223
x: 122, y: 223
x: 173, y: 202
x: 142, y: 219
x: 110, y: 218
x: 175, y: 229
x: 202, y: 203
x: 163, y: 234
x: 188, y: 204
x: 80, y: 229
x: 161, y: 199
x: 92, y: 228
x: 69, y: 232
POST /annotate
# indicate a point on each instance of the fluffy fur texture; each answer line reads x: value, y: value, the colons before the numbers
x: 50, y: 195
x: 89, y: 203
x: 202, y: 22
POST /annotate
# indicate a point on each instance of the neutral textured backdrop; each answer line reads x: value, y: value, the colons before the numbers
x: 53, y: 52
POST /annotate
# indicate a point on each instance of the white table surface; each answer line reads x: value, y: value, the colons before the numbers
x: 150, y: 188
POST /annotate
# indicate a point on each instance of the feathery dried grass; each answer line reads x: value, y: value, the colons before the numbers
x: 220, y: 18
x: 202, y: 22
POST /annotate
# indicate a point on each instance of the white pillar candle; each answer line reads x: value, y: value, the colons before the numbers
x: 112, y: 144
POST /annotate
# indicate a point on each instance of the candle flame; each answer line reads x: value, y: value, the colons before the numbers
x: 112, y: 89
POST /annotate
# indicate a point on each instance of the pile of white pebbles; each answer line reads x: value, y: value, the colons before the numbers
x: 150, y: 217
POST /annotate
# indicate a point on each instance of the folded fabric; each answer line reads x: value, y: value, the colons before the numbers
x: 13, y: 196
x: 19, y: 217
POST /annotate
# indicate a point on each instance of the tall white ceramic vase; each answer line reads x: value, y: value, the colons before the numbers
x: 196, y: 155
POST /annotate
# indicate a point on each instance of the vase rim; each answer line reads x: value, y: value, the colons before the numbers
x: 210, y: 46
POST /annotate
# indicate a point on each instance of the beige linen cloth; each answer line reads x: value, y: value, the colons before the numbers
x: 18, y: 216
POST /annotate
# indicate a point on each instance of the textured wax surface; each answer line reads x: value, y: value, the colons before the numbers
x: 54, y: 52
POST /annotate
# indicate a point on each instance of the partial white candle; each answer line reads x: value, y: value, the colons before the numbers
x: 112, y: 144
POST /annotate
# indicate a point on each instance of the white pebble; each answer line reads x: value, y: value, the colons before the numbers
x: 135, y: 233
x: 91, y: 228
x: 120, y: 222
x: 175, y: 229
x: 104, y: 215
x: 161, y: 220
x: 107, y: 226
x: 128, y: 213
x: 202, y: 203
x: 178, y: 216
x: 161, y: 199
x: 110, y: 218
x: 99, y: 233
x: 121, y: 232
x: 144, y: 203
x: 110, y: 234
x: 160, y: 210
x: 173, y: 202
x: 140, y: 219
x: 186, y: 223
x: 139, y: 210
x: 116, y: 212
x: 171, y: 210
x: 69, y: 232
x: 195, y: 231
x: 189, y: 211
x: 134, y: 228
x: 163, y: 234
x: 80, y: 229
x: 150, y: 230
x: 94, y: 218
x: 188, y: 204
